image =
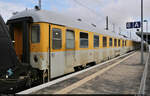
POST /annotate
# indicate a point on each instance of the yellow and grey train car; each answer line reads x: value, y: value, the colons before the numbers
x: 57, y: 45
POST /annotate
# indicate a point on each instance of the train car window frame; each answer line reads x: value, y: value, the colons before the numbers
x: 35, y: 38
x: 71, y: 43
x: 104, y: 41
x: 110, y: 42
x: 84, y: 40
x: 56, y: 38
x: 96, y: 41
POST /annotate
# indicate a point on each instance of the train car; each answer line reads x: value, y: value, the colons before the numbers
x: 56, y: 45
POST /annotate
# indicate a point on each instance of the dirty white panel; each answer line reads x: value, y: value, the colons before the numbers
x: 84, y: 56
x: 57, y: 64
x: 64, y: 62
x: 97, y: 56
x: 39, y: 60
x: 69, y: 61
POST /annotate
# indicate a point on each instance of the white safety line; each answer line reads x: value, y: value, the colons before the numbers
x: 144, y: 76
x: 34, y: 89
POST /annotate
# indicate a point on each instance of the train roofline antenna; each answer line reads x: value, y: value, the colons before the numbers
x: 38, y: 7
x: 107, y: 23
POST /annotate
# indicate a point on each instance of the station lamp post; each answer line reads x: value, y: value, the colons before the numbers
x: 142, y: 32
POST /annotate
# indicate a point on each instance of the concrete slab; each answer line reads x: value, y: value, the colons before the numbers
x: 147, y: 91
x: 122, y: 79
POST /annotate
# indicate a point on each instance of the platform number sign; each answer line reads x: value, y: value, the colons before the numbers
x: 130, y: 25
x: 137, y: 24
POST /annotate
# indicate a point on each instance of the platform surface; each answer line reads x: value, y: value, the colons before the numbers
x: 121, y: 76
x: 147, y: 89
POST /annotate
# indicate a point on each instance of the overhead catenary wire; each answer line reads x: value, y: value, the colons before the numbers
x: 92, y: 11
x: 97, y: 14
x: 111, y: 24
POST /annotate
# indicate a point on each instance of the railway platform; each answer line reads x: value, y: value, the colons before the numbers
x: 147, y: 82
x: 122, y: 75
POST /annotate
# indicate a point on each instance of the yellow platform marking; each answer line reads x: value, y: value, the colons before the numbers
x: 81, y: 82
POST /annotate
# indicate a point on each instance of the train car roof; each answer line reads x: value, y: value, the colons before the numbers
x: 55, y: 18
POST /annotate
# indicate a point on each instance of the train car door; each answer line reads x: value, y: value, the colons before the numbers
x: 57, y: 55
x: 70, y: 50
x: 19, y: 31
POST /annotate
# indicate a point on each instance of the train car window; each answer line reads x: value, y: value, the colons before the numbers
x: 110, y: 41
x: 118, y: 42
x: 35, y: 34
x: 70, y: 39
x: 57, y: 38
x: 122, y: 42
x: 84, y: 40
x: 125, y: 43
x: 104, y: 41
x: 115, y: 42
x: 96, y: 41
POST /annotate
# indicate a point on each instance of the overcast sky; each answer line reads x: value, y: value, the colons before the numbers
x: 91, y: 11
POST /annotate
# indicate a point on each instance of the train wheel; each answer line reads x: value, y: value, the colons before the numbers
x: 33, y: 77
x: 29, y: 80
x: 45, y: 76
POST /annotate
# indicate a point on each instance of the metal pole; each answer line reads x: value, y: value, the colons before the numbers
x: 141, y: 31
x: 147, y: 34
x: 40, y: 4
x: 130, y: 34
x: 107, y: 23
x: 119, y: 30
x: 113, y: 27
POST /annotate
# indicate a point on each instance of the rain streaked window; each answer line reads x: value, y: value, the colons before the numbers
x: 96, y: 41
x: 70, y: 39
x: 57, y: 38
x: 35, y: 34
x: 83, y: 40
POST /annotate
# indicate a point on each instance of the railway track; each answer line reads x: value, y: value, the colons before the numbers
x: 112, y: 63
